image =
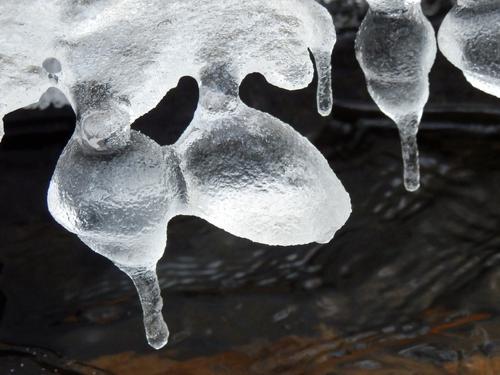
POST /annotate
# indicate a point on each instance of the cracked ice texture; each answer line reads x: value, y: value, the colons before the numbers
x: 469, y: 37
x: 239, y: 168
x: 396, y: 48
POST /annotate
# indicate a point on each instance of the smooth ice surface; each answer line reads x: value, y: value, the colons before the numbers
x: 469, y: 37
x: 239, y: 168
x: 396, y: 48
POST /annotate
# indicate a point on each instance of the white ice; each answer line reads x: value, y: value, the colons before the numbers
x: 27, y: 32
x: 396, y: 48
x: 469, y: 37
x: 128, y: 53
x: 238, y: 168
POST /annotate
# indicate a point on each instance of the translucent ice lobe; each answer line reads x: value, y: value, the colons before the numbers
x: 469, y: 37
x: 396, y: 49
x: 255, y: 177
x: 119, y: 204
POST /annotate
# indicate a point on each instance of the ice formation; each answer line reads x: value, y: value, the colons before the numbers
x: 124, y: 55
x: 236, y: 167
x: 396, y: 48
x: 469, y: 37
x: 23, y: 50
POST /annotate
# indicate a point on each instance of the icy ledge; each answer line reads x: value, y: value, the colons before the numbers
x: 236, y: 167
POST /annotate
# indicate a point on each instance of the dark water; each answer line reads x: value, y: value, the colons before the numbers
x: 411, y: 285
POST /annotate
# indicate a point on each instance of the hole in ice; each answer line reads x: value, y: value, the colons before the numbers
x: 178, y: 106
x: 286, y: 105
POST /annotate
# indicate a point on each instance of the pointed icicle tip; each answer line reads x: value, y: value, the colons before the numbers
x: 408, y: 129
x: 148, y: 288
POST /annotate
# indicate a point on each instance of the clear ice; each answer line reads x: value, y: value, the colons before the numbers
x: 240, y: 169
x: 396, y: 48
x: 469, y: 37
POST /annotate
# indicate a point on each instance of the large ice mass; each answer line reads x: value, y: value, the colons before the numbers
x: 396, y: 48
x: 469, y: 37
x: 240, y: 169
x: 124, y: 55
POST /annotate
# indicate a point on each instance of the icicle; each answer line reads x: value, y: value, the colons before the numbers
x: 324, y: 94
x: 396, y: 49
x: 408, y: 129
x: 321, y: 39
x: 118, y: 198
x: 146, y: 283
